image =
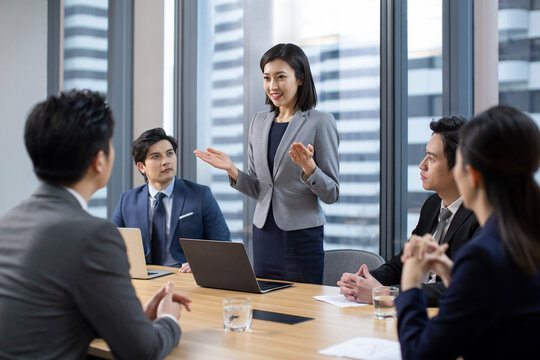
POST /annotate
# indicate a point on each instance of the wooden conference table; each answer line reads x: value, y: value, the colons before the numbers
x: 203, y: 336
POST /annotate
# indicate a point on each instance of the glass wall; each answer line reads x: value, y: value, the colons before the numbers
x: 342, y: 41
x: 85, y: 47
x: 424, y: 27
x: 220, y: 100
x: 519, y: 56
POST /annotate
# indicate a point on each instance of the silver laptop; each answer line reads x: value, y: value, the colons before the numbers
x: 135, y: 253
x: 224, y: 265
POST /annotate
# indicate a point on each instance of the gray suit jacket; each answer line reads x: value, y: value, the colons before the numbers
x: 294, y: 198
x: 64, y: 279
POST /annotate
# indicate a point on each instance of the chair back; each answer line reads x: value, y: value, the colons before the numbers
x: 336, y: 262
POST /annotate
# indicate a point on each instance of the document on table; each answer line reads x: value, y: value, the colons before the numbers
x: 338, y: 300
x: 365, y: 348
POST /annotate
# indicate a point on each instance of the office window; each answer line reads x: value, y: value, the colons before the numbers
x: 519, y: 56
x: 342, y: 41
x: 85, y: 64
x: 168, y: 65
x: 220, y: 103
x: 425, y: 93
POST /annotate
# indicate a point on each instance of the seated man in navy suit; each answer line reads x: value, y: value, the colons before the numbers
x: 167, y: 208
x: 456, y: 228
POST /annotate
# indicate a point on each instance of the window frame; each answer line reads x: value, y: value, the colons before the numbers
x: 457, y: 99
x: 119, y: 82
x: 458, y: 95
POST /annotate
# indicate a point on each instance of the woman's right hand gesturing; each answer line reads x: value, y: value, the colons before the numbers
x: 219, y: 160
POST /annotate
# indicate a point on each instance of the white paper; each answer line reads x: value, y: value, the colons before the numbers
x: 366, y: 348
x: 338, y: 300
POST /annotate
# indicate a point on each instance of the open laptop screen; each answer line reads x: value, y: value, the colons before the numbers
x: 135, y: 253
x: 224, y: 265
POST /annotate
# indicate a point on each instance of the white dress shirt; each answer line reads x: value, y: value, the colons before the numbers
x: 79, y: 198
x: 453, y: 207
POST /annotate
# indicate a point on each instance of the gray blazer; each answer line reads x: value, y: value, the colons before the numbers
x: 294, y: 198
x: 64, y: 279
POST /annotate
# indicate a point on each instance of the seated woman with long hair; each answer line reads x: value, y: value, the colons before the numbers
x: 491, y: 308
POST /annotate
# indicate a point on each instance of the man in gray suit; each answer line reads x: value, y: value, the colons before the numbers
x: 64, y: 274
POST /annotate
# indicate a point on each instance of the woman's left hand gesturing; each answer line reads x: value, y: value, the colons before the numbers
x: 304, y: 157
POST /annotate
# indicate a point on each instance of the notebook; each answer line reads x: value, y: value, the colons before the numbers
x: 135, y: 253
x: 224, y: 265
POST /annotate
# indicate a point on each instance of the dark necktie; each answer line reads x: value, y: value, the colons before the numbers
x: 159, y: 237
x: 438, y: 235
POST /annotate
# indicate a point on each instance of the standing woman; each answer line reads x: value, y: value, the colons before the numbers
x: 292, y: 163
x: 491, y: 309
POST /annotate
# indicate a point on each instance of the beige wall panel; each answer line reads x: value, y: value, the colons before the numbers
x: 147, y: 70
x: 486, y: 55
x: 23, y: 65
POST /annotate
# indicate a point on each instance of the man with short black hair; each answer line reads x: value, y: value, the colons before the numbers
x: 167, y: 208
x: 64, y: 274
x: 442, y: 215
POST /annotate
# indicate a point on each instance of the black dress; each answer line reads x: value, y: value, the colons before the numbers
x: 296, y: 255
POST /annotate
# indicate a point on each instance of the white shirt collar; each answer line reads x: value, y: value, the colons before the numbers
x: 454, y: 207
x: 78, y: 196
x: 167, y: 191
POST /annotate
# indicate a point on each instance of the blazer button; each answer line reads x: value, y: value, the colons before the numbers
x: 313, y: 183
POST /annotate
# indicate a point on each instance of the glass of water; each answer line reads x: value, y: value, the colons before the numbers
x: 237, y: 314
x: 384, y: 302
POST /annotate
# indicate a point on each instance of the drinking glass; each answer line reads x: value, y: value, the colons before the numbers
x: 384, y: 302
x: 237, y: 314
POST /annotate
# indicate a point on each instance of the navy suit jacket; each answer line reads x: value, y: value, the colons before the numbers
x: 207, y: 221
x: 462, y: 228
x: 491, y: 310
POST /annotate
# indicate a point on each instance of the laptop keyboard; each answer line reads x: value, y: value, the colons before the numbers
x: 266, y: 285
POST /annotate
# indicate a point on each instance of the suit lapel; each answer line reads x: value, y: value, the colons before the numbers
x: 142, y: 216
x: 288, y: 137
x: 461, y: 215
x: 263, y: 150
x: 432, y: 217
x: 178, y: 200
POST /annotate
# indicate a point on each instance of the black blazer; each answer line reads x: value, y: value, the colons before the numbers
x: 490, y: 311
x: 462, y: 228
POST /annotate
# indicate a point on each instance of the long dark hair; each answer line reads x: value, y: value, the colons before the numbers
x: 296, y: 58
x: 503, y: 144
